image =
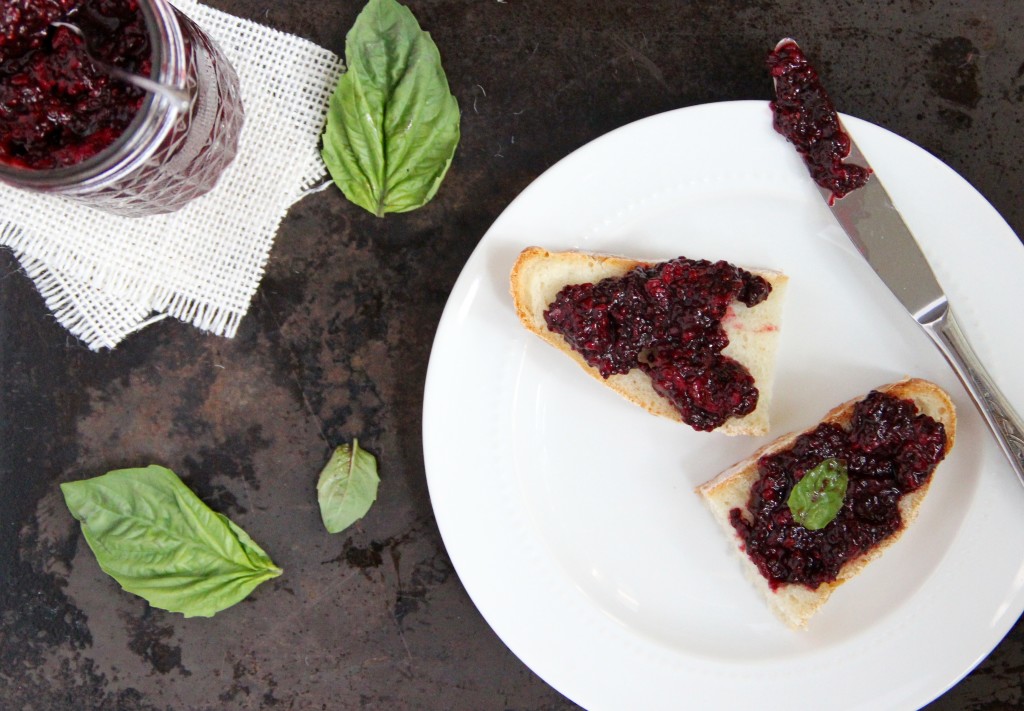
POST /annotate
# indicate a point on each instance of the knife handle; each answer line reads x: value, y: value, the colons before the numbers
x: 996, y: 410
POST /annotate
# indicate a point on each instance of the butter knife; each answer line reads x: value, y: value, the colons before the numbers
x: 876, y: 228
x: 879, y: 233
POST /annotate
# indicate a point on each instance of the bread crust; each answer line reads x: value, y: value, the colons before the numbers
x: 538, y: 275
x: 795, y: 604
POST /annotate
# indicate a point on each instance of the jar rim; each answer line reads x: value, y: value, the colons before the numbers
x: 151, y: 123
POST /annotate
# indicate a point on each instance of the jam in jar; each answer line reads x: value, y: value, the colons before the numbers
x: 70, y: 128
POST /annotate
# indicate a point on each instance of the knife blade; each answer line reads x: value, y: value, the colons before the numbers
x: 878, y: 231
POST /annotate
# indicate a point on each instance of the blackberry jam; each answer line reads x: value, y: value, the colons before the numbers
x: 67, y: 127
x: 666, y: 319
x: 58, y: 107
x: 890, y: 449
x: 804, y: 114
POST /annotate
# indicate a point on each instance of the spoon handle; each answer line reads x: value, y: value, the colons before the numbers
x: 180, y: 100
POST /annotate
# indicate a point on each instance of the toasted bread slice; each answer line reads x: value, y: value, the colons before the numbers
x: 538, y: 276
x: 793, y: 603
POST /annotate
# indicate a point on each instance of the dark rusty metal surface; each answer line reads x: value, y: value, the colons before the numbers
x: 337, y: 342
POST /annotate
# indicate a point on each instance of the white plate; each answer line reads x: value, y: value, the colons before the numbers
x: 570, y: 514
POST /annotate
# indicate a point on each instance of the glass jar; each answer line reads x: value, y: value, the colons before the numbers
x: 168, y: 154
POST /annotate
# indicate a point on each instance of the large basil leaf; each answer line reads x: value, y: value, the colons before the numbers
x: 347, y: 487
x: 816, y: 499
x: 392, y: 124
x: 156, y: 538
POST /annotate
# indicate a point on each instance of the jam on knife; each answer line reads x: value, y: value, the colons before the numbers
x: 805, y: 115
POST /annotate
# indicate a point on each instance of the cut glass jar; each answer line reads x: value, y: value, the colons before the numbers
x: 166, y: 156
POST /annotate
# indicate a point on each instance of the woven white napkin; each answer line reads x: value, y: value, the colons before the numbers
x: 106, y: 276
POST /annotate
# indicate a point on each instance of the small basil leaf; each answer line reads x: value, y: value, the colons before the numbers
x: 816, y: 499
x: 156, y: 538
x: 347, y: 487
x: 392, y: 123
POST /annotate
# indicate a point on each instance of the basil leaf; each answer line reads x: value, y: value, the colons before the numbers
x: 156, y: 538
x: 347, y: 487
x: 392, y: 124
x: 816, y: 499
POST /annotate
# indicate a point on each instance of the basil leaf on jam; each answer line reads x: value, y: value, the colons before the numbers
x: 816, y: 499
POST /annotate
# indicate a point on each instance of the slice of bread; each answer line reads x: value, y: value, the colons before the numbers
x: 538, y: 276
x: 794, y: 603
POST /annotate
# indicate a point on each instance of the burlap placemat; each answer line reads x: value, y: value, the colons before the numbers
x: 104, y: 277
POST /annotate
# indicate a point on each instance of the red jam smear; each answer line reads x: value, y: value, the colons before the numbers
x: 890, y: 450
x: 666, y: 319
x: 58, y: 107
x: 804, y: 114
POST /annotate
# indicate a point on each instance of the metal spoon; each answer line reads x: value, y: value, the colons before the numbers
x: 179, y: 99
